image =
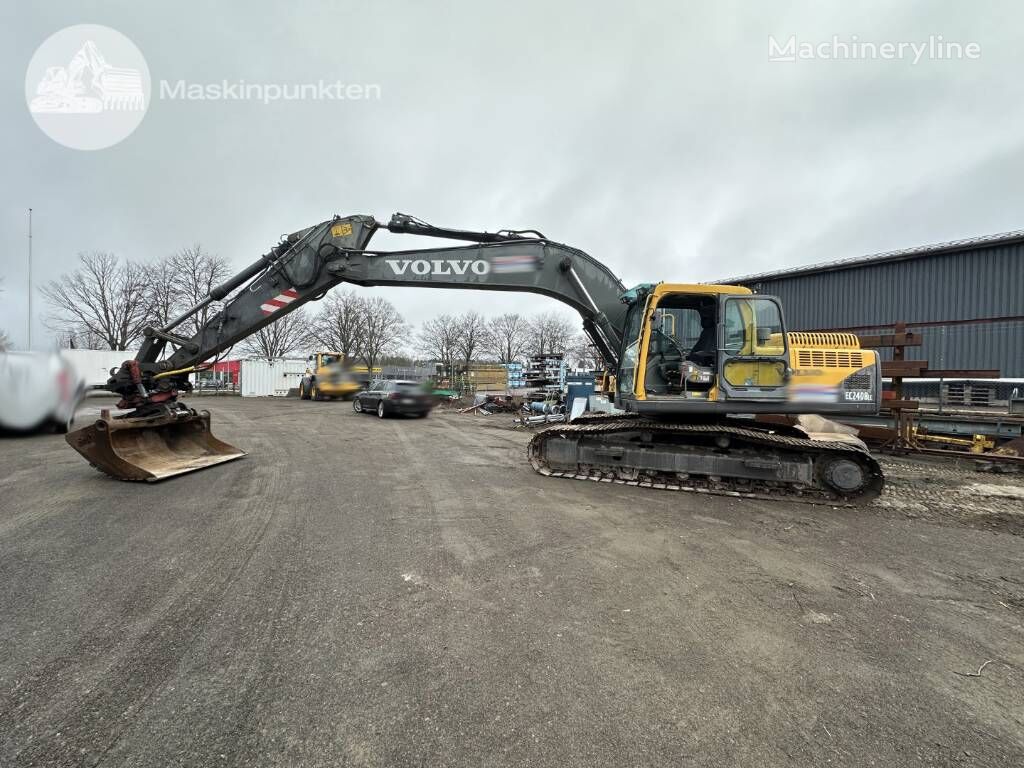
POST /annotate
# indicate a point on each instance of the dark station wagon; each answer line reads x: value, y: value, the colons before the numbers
x: 391, y: 398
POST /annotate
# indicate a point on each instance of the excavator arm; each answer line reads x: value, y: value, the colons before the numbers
x: 162, y: 437
x: 308, y: 263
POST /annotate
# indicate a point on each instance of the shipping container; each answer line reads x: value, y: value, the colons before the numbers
x: 93, y: 365
x: 262, y: 378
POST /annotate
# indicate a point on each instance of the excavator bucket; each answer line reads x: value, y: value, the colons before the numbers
x: 152, y: 449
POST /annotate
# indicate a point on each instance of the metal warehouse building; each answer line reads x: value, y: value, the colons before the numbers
x: 965, y: 298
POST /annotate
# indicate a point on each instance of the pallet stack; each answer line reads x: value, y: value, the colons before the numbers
x: 544, y: 370
x: 487, y: 377
x: 516, y: 377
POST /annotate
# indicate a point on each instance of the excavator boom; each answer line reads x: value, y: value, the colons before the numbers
x: 310, y: 262
x: 161, y: 437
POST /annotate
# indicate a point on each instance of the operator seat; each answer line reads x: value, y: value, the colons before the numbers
x: 703, y: 352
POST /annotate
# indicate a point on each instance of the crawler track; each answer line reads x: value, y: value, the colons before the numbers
x: 767, y: 464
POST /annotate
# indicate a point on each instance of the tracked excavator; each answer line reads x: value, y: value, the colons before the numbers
x: 693, y: 366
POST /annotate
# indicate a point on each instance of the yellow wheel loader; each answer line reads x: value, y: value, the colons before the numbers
x: 330, y: 377
x: 691, y: 366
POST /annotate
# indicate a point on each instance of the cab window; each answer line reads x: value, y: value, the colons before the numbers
x: 735, y: 328
x: 753, y: 327
x: 630, y: 349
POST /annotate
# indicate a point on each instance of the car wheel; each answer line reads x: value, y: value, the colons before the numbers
x: 303, y: 392
x: 357, y: 406
x: 422, y: 415
x: 314, y: 393
x: 380, y: 409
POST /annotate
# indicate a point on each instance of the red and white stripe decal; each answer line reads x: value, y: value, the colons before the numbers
x: 281, y: 300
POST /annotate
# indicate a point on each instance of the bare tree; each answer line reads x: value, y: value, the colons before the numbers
x: 584, y: 354
x: 104, y: 297
x: 288, y: 333
x: 507, y: 337
x: 338, y: 325
x: 551, y: 333
x: 194, y: 273
x: 163, y: 295
x: 81, y: 339
x: 437, y: 340
x: 381, y: 330
x: 471, y: 331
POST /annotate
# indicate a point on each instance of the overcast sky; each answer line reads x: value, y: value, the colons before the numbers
x: 657, y: 136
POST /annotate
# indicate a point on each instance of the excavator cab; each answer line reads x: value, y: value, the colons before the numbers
x: 720, y: 349
x: 694, y: 347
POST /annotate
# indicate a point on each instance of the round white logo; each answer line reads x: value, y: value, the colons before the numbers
x: 87, y: 86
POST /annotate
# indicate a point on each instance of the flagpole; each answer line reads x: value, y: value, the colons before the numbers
x: 30, y: 279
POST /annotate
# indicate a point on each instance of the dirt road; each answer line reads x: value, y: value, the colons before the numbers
x: 409, y: 592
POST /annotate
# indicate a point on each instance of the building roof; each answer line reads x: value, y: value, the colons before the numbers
x: 1002, y: 238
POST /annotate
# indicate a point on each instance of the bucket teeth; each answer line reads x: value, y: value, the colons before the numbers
x: 152, y: 448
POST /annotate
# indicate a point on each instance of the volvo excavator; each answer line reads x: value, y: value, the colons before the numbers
x: 693, y: 366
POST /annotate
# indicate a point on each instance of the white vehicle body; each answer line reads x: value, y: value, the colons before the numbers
x: 38, y: 390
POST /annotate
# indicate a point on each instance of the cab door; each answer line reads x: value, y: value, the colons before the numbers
x: 630, y: 352
x: 753, y: 359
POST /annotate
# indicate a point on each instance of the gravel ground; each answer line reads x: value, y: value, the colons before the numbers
x: 955, y: 492
x: 409, y: 592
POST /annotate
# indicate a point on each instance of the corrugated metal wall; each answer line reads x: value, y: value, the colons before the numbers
x: 962, y: 285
